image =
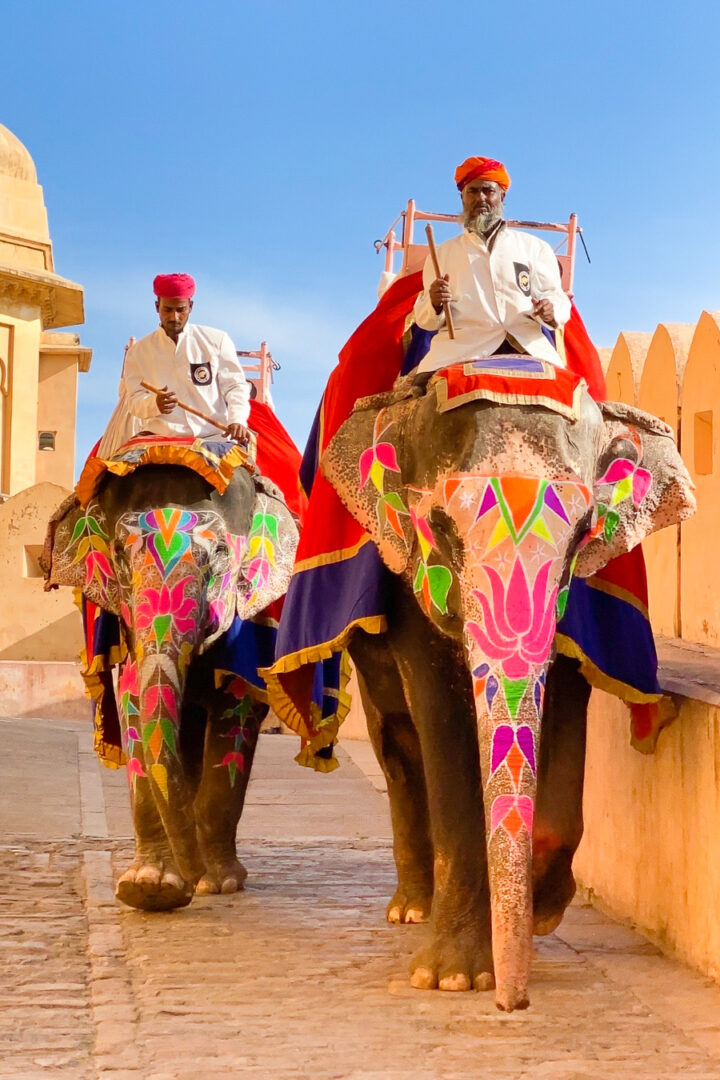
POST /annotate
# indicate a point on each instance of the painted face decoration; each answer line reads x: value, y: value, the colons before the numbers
x: 514, y: 580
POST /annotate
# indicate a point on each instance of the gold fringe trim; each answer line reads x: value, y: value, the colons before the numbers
x: 331, y: 556
x: 667, y: 710
x: 446, y: 404
x: 599, y: 679
x: 318, y: 732
x: 218, y: 475
x: 112, y: 756
x: 616, y: 590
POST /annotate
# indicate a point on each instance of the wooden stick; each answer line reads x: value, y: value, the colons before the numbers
x: 250, y: 443
x: 188, y: 408
x: 436, y: 264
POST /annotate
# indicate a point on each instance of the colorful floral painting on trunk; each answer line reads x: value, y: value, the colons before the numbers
x: 516, y: 530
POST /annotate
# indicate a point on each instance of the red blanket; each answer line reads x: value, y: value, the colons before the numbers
x: 278, y: 457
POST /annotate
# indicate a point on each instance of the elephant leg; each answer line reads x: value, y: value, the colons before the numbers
x: 397, y: 748
x: 153, y: 881
x: 558, y: 825
x: 193, y: 728
x: 230, y: 741
x: 457, y: 954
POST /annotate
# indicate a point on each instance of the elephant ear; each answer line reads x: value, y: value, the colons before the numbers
x: 361, y: 462
x: 269, y: 554
x: 641, y: 485
x: 77, y: 553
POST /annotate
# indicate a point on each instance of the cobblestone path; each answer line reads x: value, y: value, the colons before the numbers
x: 299, y: 977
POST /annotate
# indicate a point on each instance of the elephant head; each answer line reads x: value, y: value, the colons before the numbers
x: 485, y: 511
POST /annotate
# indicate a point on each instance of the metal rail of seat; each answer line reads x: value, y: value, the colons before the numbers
x: 260, y: 374
x: 413, y: 255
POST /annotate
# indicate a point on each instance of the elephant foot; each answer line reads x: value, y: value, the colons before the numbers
x: 458, y: 963
x: 222, y: 879
x: 552, y: 893
x: 409, y: 905
x: 153, y: 887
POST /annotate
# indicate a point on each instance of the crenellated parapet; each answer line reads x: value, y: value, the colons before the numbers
x: 674, y: 373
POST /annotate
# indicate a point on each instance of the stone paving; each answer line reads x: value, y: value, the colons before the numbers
x: 299, y: 976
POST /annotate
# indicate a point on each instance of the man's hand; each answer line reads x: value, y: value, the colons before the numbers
x: 440, y: 293
x: 543, y: 310
x: 166, y: 401
x: 238, y: 433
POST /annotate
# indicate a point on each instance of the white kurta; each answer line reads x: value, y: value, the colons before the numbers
x: 203, y: 370
x: 122, y: 425
x: 493, y: 292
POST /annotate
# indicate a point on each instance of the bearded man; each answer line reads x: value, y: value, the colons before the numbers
x: 502, y: 285
x: 197, y: 365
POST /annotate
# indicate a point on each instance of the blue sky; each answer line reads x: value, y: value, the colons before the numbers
x: 263, y: 146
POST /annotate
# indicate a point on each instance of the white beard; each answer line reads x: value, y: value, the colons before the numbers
x: 483, y: 223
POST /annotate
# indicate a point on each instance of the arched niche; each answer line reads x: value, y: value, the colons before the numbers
x: 700, y: 441
x: 605, y: 354
x: 622, y: 377
x: 659, y: 393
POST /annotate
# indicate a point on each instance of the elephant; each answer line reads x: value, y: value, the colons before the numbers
x: 180, y: 564
x: 483, y: 511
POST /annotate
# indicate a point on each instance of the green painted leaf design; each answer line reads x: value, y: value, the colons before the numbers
x: 168, y: 729
x: 395, y: 500
x: 612, y: 520
x: 419, y: 577
x: 514, y: 691
x: 271, y: 524
x: 147, y: 733
x: 440, y: 580
x: 95, y: 527
x: 562, y: 599
x: 78, y: 530
x: 161, y: 626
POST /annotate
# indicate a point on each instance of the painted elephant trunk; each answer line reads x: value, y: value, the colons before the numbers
x: 167, y: 626
x: 508, y: 755
x: 509, y: 646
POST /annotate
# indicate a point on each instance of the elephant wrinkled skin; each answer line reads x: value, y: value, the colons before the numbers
x: 483, y: 513
x: 176, y: 561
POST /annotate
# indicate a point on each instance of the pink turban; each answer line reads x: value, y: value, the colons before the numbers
x: 174, y: 286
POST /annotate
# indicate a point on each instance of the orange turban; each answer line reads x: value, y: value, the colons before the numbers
x: 474, y: 167
x: 174, y: 286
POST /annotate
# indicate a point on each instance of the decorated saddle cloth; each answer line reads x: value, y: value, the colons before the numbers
x: 242, y: 639
x: 339, y: 582
x: 510, y: 379
x: 214, y: 459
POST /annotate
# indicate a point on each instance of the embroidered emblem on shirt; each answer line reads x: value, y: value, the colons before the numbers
x: 200, y: 374
x: 522, y: 276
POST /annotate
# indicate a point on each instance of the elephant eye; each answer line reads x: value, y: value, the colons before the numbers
x: 621, y: 447
x: 625, y: 448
